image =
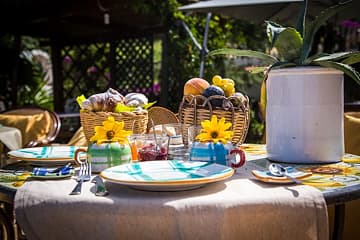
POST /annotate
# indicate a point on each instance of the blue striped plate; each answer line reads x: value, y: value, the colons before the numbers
x: 175, y: 175
x: 46, y: 155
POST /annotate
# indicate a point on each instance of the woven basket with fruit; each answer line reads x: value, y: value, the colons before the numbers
x: 202, y: 100
x: 131, y: 109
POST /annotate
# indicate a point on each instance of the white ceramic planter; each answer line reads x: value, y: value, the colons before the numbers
x: 304, y: 115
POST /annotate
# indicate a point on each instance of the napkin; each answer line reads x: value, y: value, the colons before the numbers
x: 65, y: 171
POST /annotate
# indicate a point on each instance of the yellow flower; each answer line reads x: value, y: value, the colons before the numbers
x: 215, y: 131
x: 111, y: 131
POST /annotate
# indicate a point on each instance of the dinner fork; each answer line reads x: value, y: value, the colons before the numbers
x: 84, y: 175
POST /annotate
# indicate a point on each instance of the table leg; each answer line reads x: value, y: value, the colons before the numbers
x: 339, y: 216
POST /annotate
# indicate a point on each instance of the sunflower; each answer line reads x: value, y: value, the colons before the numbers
x: 111, y: 131
x: 215, y: 131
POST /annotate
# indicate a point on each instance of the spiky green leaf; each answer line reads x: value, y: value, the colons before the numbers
x: 337, y: 56
x: 348, y: 70
x: 354, y: 58
x: 301, y: 22
x: 288, y: 44
x: 316, y: 56
x: 268, y: 59
x: 309, y: 33
x: 282, y: 65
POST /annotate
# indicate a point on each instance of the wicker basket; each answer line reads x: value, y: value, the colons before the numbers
x: 136, y: 121
x: 194, y: 109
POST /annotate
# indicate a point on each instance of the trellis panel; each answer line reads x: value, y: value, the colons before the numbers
x: 124, y: 64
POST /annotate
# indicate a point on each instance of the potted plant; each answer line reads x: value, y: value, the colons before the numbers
x: 304, y: 108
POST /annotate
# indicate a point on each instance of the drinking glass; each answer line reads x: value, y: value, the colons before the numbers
x: 149, y: 147
x: 193, y: 131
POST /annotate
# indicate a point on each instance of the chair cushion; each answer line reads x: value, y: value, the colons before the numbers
x: 32, y: 127
x: 352, y: 132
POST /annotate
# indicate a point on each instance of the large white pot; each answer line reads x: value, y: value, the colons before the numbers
x: 304, y: 115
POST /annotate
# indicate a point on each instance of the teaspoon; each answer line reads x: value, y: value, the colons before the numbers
x: 280, y: 171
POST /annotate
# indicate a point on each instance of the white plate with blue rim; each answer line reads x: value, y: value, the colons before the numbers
x: 48, y: 155
x: 166, y: 175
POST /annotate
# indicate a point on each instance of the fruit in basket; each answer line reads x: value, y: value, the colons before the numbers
x: 103, y: 102
x: 237, y: 99
x: 213, y: 90
x: 226, y: 84
x: 195, y: 86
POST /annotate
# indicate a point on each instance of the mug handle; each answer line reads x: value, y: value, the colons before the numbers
x: 77, y: 159
x: 239, y: 158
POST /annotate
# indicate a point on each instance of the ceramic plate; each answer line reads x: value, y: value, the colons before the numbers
x: 56, y: 155
x: 175, y: 175
x: 266, y: 176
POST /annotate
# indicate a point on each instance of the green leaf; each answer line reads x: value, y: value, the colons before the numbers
x: 148, y: 105
x: 338, y: 56
x: 316, y: 56
x: 123, y: 108
x: 273, y: 30
x: 288, y: 44
x: 245, y: 53
x: 80, y: 99
x: 282, y: 65
x: 355, y: 58
x: 256, y: 70
x: 311, y: 30
x: 348, y: 70
x: 300, y: 26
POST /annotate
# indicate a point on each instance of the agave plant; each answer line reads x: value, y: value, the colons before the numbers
x: 293, y: 45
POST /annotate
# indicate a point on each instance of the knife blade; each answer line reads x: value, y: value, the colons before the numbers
x: 100, y: 189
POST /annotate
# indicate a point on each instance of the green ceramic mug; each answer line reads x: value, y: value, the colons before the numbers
x: 105, y: 155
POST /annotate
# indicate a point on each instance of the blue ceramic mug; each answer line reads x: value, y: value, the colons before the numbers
x: 225, y: 154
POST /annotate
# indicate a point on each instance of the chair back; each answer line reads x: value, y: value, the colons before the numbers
x: 160, y: 115
x: 38, y: 126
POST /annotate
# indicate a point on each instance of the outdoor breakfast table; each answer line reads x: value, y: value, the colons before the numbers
x: 241, y: 206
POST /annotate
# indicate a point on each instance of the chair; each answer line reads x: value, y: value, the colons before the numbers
x: 78, y: 139
x: 160, y: 115
x: 38, y: 126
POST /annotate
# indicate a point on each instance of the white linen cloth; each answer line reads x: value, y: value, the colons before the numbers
x: 237, y: 208
x: 11, y: 137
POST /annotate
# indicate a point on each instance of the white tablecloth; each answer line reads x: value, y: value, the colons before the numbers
x: 238, y: 208
x: 11, y: 137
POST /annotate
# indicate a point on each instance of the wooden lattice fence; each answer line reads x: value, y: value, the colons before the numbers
x: 125, y: 65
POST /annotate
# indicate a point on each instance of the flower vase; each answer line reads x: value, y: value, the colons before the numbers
x: 107, y: 155
x: 304, y: 115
